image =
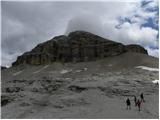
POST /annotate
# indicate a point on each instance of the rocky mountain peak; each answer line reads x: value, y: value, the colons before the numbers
x: 78, y: 46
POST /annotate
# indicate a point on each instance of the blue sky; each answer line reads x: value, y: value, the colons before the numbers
x: 152, y: 6
x: 26, y: 24
x: 150, y: 20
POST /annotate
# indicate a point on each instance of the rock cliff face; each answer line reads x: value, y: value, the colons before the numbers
x: 3, y: 67
x: 78, y: 46
x: 136, y: 48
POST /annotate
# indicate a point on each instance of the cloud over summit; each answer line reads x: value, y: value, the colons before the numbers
x: 86, y: 22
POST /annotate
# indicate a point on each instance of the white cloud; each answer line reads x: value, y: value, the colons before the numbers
x: 153, y: 52
x: 7, y: 58
x: 134, y: 34
x: 152, y: 4
x: 87, y: 22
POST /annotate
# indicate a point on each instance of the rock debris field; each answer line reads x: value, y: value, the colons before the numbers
x: 96, y: 89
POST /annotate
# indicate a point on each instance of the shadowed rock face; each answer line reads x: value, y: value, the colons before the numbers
x: 3, y: 68
x: 78, y: 46
x: 136, y: 48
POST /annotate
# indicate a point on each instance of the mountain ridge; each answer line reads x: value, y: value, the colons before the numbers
x: 78, y: 46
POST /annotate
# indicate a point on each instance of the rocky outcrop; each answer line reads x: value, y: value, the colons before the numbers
x: 78, y: 46
x: 3, y: 68
x: 136, y: 48
x: 5, y: 99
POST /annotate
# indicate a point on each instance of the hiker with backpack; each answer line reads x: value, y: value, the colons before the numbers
x: 135, y: 100
x: 142, y: 97
x: 139, y: 104
x: 128, y: 103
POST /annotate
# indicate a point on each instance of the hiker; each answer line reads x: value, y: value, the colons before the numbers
x: 139, y: 104
x: 128, y: 102
x: 142, y: 97
x: 135, y: 100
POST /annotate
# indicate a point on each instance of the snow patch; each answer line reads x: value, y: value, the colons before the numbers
x: 78, y: 71
x: 68, y: 78
x: 110, y: 65
x: 41, y: 69
x: 147, y: 68
x: 65, y: 71
x: 85, y: 69
x: 155, y: 81
x: 17, y: 73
